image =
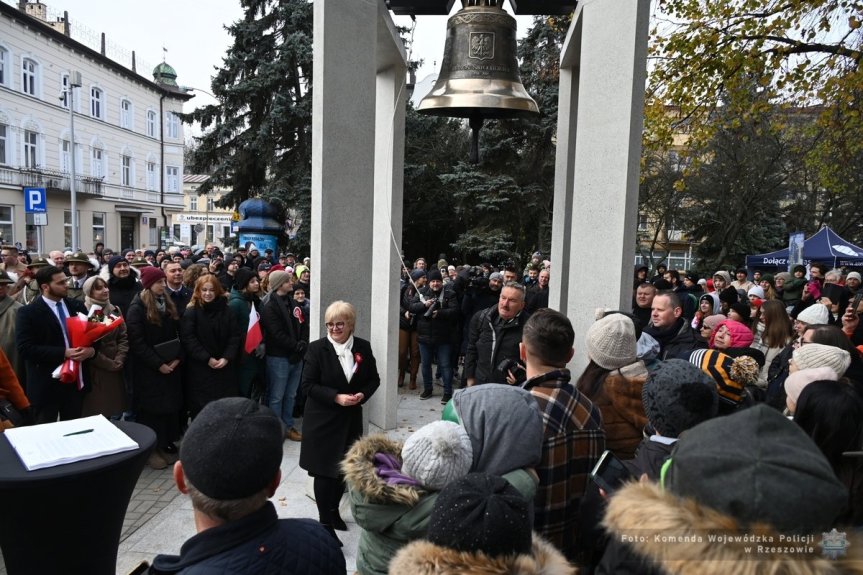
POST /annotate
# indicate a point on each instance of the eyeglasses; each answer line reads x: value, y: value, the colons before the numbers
x: 335, y: 325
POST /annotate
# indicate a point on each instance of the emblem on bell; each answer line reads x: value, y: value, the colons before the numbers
x: 479, y: 76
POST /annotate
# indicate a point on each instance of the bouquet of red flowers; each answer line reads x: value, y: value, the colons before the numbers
x: 84, y: 331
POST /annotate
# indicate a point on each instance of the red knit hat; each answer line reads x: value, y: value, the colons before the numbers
x: 741, y: 336
x: 150, y: 275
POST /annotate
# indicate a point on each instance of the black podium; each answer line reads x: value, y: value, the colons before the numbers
x: 68, y: 519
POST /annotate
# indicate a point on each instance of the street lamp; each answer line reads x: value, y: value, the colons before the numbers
x: 69, y: 90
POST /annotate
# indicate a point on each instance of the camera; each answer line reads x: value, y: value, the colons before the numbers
x: 433, y: 308
x: 512, y: 365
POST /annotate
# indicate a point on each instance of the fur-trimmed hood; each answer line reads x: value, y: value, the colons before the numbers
x: 425, y: 558
x: 360, y: 475
x: 641, y: 514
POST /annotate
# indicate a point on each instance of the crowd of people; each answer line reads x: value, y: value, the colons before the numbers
x: 182, y: 343
x: 729, y: 410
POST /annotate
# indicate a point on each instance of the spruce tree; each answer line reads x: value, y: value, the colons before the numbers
x: 256, y: 140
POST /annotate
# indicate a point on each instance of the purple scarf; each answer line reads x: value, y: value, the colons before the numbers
x: 389, y: 469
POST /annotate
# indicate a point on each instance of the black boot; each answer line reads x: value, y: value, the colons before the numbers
x: 337, y: 521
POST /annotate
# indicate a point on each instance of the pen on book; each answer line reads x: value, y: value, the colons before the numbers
x: 82, y: 432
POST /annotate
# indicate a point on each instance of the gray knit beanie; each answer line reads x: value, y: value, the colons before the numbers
x: 819, y: 355
x: 611, y: 341
x: 437, y: 454
x: 276, y: 279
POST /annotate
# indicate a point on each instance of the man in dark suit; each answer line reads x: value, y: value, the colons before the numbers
x: 179, y: 294
x: 43, y: 343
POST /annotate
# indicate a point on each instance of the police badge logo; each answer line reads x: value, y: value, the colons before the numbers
x: 481, y: 45
x: 834, y: 544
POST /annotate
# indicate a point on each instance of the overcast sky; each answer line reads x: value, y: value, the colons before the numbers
x: 193, y: 32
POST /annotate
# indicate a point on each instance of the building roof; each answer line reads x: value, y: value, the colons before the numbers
x: 44, y: 29
x: 195, y: 178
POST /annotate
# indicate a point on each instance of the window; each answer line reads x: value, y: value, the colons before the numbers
x: 151, y: 123
x: 642, y: 222
x: 176, y: 232
x: 67, y: 227
x: 64, y: 94
x: 126, y: 114
x: 31, y: 149
x: 172, y: 177
x: 29, y: 68
x: 126, y: 170
x: 97, y: 163
x: 4, y: 144
x: 210, y: 205
x: 65, y: 165
x: 4, y: 66
x: 6, y: 224
x: 98, y: 226
x: 151, y: 177
x: 97, y: 107
x: 193, y: 203
x: 173, y: 125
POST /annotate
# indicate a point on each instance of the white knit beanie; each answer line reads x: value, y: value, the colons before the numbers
x: 815, y: 314
x: 812, y: 355
x: 757, y: 291
x: 611, y: 341
x: 437, y: 454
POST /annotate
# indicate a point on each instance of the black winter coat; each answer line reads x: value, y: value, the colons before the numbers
x: 208, y: 332
x: 256, y: 544
x: 677, y: 341
x: 439, y: 329
x: 284, y: 334
x: 123, y: 291
x: 153, y: 391
x: 489, y: 343
x: 329, y: 429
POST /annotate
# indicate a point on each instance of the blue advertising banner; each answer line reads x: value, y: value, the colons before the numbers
x: 262, y: 242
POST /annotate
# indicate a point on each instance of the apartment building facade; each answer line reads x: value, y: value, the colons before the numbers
x: 127, y: 156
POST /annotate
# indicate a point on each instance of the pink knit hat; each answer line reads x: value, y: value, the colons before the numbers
x: 741, y: 336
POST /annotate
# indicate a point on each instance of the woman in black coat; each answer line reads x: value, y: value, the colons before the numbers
x: 339, y: 376
x: 211, y: 340
x: 157, y: 386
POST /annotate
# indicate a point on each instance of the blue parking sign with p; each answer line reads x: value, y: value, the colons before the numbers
x: 34, y: 201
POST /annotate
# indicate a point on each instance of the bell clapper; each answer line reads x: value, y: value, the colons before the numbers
x: 476, y: 122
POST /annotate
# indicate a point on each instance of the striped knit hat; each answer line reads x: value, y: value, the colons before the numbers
x: 731, y: 375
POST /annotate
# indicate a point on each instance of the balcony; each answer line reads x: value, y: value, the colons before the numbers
x: 55, y: 181
x: 51, y: 180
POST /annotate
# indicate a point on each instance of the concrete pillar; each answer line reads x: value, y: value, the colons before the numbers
x: 343, y: 125
x: 357, y: 165
x: 386, y: 246
x: 603, y: 72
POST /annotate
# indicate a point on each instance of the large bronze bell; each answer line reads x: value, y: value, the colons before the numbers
x: 479, y: 76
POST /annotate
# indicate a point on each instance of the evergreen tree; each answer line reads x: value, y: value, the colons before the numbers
x: 257, y: 138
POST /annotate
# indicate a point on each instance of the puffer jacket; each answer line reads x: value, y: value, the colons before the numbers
x: 391, y: 516
x: 441, y: 328
x: 257, y: 544
x: 619, y: 401
x: 638, y: 511
x: 425, y: 558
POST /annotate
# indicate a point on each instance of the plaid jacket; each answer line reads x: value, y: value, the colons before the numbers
x: 573, y: 442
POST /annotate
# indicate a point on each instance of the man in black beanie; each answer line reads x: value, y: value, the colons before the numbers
x: 123, y: 285
x: 436, y: 310
x: 229, y: 467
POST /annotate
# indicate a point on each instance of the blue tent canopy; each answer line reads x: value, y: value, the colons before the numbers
x: 824, y: 246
